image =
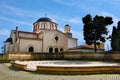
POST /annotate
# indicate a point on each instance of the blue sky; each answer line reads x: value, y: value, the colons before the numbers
x: 23, y: 13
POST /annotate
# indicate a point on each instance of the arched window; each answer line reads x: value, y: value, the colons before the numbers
x: 51, y: 26
x: 61, y: 49
x: 30, y: 49
x: 50, y: 50
x: 43, y: 26
x: 56, y: 50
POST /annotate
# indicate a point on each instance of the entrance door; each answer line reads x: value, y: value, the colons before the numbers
x: 31, y: 49
x: 50, y: 50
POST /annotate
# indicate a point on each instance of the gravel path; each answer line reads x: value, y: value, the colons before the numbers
x: 9, y: 73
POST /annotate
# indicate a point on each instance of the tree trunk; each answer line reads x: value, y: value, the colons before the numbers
x: 95, y: 46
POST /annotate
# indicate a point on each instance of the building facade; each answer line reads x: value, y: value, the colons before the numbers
x: 44, y: 38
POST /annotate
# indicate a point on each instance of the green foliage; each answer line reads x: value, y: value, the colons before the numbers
x: 115, y: 40
x: 95, y: 28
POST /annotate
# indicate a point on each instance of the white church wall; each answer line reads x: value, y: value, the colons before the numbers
x: 12, y: 35
x: 27, y: 35
x: 49, y: 40
x: 7, y: 47
x: 26, y: 43
x: 72, y: 42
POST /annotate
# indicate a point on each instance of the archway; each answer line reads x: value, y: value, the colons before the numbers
x: 56, y: 50
x: 61, y: 49
x: 50, y: 50
x: 30, y: 49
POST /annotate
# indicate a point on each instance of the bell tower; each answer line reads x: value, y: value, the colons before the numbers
x: 67, y: 30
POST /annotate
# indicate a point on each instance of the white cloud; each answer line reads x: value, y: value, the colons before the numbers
x: 4, y: 32
x: 21, y: 12
x: 114, y: 3
x: 66, y: 2
x: 15, y: 10
x: 76, y: 20
x: 73, y: 20
x: 16, y: 21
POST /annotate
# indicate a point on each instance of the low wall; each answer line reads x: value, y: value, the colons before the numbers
x: 79, y: 70
x: 62, y: 56
x: 17, y: 56
x: 20, y: 66
x: 1, y: 56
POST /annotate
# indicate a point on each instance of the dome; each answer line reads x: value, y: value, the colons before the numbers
x: 45, y: 19
x: 67, y: 25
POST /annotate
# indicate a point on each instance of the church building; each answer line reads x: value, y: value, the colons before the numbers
x: 45, y: 37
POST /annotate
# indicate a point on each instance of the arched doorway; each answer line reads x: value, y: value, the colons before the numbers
x: 56, y: 50
x: 50, y: 50
x: 30, y: 49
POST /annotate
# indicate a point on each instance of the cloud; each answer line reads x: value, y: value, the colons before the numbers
x: 114, y: 3
x: 21, y: 12
x: 15, y: 10
x: 4, y: 32
x: 76, y: 20
x: 65, y: 2
x: 16, y: 21
x: 65, y: 19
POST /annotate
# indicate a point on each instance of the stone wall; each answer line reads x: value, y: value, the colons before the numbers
x: 1, y: 56
x: 17, y: 56
x: 63, y: 56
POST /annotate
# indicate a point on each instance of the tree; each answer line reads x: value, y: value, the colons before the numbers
x: 95, y: 29
x: 115, y: 40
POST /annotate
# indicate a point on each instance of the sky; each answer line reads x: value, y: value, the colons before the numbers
x: 23, y: 13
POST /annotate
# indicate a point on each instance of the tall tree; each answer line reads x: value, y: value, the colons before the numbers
x: 115, y: 40
x: 95, y: 29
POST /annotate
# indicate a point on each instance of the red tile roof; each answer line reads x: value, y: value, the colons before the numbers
x: 82, y: 47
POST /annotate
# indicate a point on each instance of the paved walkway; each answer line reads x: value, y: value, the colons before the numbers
x: 9, y: 73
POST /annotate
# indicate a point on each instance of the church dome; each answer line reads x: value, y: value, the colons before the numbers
x: 44, y: 19
x: 44, y: 23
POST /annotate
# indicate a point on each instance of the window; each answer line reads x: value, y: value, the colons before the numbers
x: 30, y: 49
x: 61, y: 49
x: 56, y: 38
x: 56, y: 50
x: 50, y: 50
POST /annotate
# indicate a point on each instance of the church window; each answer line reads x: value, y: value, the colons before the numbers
x: 37, y: 26
x: 61, y: 49
x: 56, y: 50
x: 56, y: 38
x: 30, y: 49
x: 50, y: 27
x: 44, y: 26
x: 50, y: 50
